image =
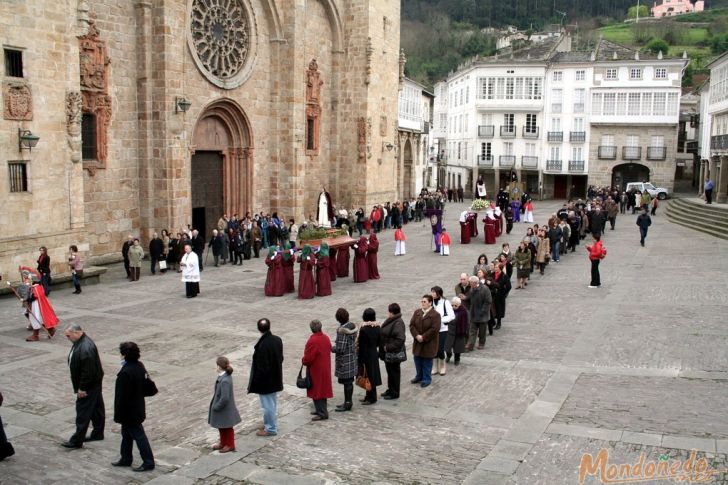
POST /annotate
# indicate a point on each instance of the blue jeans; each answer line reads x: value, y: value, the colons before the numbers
x: 270, y: 411
x: 555, y: 253
x: 643, y: 235
x: 423, y: 366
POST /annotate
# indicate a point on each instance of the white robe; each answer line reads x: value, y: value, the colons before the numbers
x: 323, y: 211
x: 399, y: 248
x: 191, y: 268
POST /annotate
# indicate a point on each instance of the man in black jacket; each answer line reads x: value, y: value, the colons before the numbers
x: 198, y: 245
x: 125, y: 253
x: 86, y: 378
x: 129, y: 408
x: 644, y: 221
x: 156, y: 251
x: 266, y: 376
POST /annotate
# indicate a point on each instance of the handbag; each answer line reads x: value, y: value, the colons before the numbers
x: 363, y: 381
x: 393, y: 357
x: 149, y: 388
x: 162, y: 264
x: 303, y: 382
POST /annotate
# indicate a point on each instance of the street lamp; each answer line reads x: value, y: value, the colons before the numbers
x: 181, y: 104
x: 26, y: 139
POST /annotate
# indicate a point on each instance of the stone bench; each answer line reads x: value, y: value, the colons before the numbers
x: 91, y: 276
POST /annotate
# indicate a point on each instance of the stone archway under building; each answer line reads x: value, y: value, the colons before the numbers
x: 408, y: 181
x: 221, y: 167
x: 629, y: 172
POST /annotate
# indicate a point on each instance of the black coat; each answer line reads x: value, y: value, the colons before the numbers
x: 393, y: 335
x: 125, y: 249
x: 198, y: 244
x: 85, y: 365
x: 156, y: 248
x: 44, y: 265
x: 129, y: 406
x: 216, y: 244
x: 266, y: 372
x: 369, y: 340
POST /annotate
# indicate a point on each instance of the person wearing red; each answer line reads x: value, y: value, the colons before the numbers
x: 342, y: 262
x: 373, y: 249
x: 489, y: 227
x: 400, y: 239
x: 37, y: 308
x: 332, y: 263
x: 287, y: 263
x: 444, y: 243
x: 498, y: 215
x: 306, y: 286
x: 317, y: 359
x: 597, y: 252
x: 361, y: 268
x: 323, y: 276
x: 465, y: 230
x: 274, y: 284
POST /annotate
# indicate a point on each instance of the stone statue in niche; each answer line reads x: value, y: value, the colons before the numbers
x: 73, y: 123
x: 94, y: 61
x: 313, y: 83
x: 18, y: 104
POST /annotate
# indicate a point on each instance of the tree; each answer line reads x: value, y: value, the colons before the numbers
x: 657, y: 45
x: 719, y: 44
x: 632, y: 12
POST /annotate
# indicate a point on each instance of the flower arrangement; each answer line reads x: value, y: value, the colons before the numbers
x: 479, y: 204
x: 313, y: 233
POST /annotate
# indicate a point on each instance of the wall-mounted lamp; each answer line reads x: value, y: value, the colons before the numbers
x: 26, y: 139
x: 181, y: 105
x: 388, y: 146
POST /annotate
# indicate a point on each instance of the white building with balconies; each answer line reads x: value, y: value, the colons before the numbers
x: 714, y: 116
x: 414, y: 120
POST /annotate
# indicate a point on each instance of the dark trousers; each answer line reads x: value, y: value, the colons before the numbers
x: 595, y: 280
x: 154, y: 260
x: 199, y: 259
x: 643, y: 235
x: 394, y: 377
x: 622, y: 207
x: 192, y: 289
x: 135, y: 272
x: 612, y: 220
x: 126, y: 267
x: 45, y: 280
x: 442, y: 336
x: 76, y: 278
x: 371, y: 395
x: 256, y: 249
x: 130, y: 435
x: 477, y: 331
x: 709, y: 196
x: 89, y: 409
x: 653, y: 211
x: 348, y: 391
x: 238, y: 257
x: 321, y: 408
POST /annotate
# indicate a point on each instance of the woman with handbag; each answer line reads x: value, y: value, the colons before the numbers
x: 392, y: 350
x: 223, y: 414
x: 317, y: 359
x: 367, y: 348
x: 345, y: 360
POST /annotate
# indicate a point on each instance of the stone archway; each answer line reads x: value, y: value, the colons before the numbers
x: 408, y: 176
x: 222, y: 164
x: 629, y: 172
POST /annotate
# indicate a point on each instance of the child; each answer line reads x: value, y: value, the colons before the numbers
x: 528, y: 213
x: 444, y: 243
x: 399, y: 242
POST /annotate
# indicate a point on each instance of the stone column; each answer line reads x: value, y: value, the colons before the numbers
x: 701, y: 178
x: 496, y: 179
x: 721, y: 182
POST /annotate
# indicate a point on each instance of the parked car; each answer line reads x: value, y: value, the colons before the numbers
x: 659, y: 192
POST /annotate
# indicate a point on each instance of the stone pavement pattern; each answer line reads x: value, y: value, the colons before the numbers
x: 637, y: 366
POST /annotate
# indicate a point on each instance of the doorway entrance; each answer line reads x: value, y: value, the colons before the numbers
x: 207, y: 200
x: 629, y: 172
x: 407, y: 180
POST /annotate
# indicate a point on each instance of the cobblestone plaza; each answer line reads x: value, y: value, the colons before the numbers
x: 637, y: 366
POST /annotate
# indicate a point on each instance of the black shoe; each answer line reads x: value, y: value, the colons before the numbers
x: 68, y: 444
x: 415, y: 381
x: 363, y: 401
x: 497, y: 326
x: 457, y: 362
x: 343, y: 408
x: 143, y: 468
x: 390, y: 397
x: 447, y: 359
x: 76, y: 292
x: 368, y: 403
x: 386, y: 393
x: 93, y: 438
x: 120, y: 463
x: 425, y: 384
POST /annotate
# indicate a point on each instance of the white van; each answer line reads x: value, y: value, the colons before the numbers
x: 659, y: 192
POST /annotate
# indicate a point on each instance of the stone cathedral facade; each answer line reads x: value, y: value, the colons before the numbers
x: 156, y: 114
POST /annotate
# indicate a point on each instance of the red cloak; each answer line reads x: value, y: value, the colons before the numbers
x: 361, y: 267
x: 50, y: 320
x: 473, y: 219
x: 274, y: 284
x: 333, y: 263
x: 489, y: 230
x: 498, y: 226
x: 287, y: 265
x: 372, y: 251
x: 323, y: 276
x: 342, y: 262
x: 306, y: 286
x: 465, y: 232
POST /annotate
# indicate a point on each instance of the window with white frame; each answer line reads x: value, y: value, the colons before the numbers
x: 466, y: 123
x: 467, y: 94
x: 465, y: 150
x: 610, y: 103
x: 608, y: 140
x: 577, y: 154
x: 611, y: 74
x: 580, y: 75
x: 672, y: 107
x: 657, y: 141
x: 485, y: 150
x: 579, y: 124
x: 635, y: 73
x: 557, y: 96
x: 510, y: 88
x: 461, y: 97
x: 660, y: 104
x: 621, y: 104
x: 633, y: 141
x: 459, y: 147
x: 508, y: 148
x: 633, y: 104
x: 555, y: 152
x: 555, y: 124
x: 660, y: 73
x: 530, y: 149
x: 537, y: 88
x: 646, y: 104
x: 596, y: 107
x: 509, y: 121
x: 531, y: 123
x: 558, y: 76
x: 579, y: 99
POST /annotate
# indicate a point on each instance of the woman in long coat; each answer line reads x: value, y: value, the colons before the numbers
x: 287, y: 262
x: 223, y: 414
x: 457, y: 331
x: 345, y: 357
x: 393, y: 341
x: 372, y: 251
x: 306, y: 286
x: 342, y: 262
x: 523, y: 264
x: 501, y: 278
x: 542, y: 251
x: 136, y: 254
x: 317, y: 359
x: 274, y: 281
x: 323, y: 276
x: 367, y: 345
x: 361, y: 268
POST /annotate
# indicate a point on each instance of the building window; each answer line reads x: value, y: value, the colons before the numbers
x: 660, y: 73
x: 485, y: 150
x: 579, y: 124
x: 621, y: 104
x: 635, y: 73
x: 558, y: 76
x: 13, y: 63
x: 577, y: 154
x: 531, y: 123
x: 633, y: 105
x: 467, y: 94
x: 557, y: 96
x: 580, y: 75
x: 509, y: 120
x: 508, y: 148
x: 660, y: 104
x: 18, y: 176
x: 88, y: 137
x: 556, y: 124
x: 310, y: 132
x: 596, y: 108
x: 510, y: 88
x: 579, y: 99
x: 646, y: 104
x: 610, y: 103
x: 459, y: 147
x: 672, y: 107
x: 657, y: 141
x: 611, y: 74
